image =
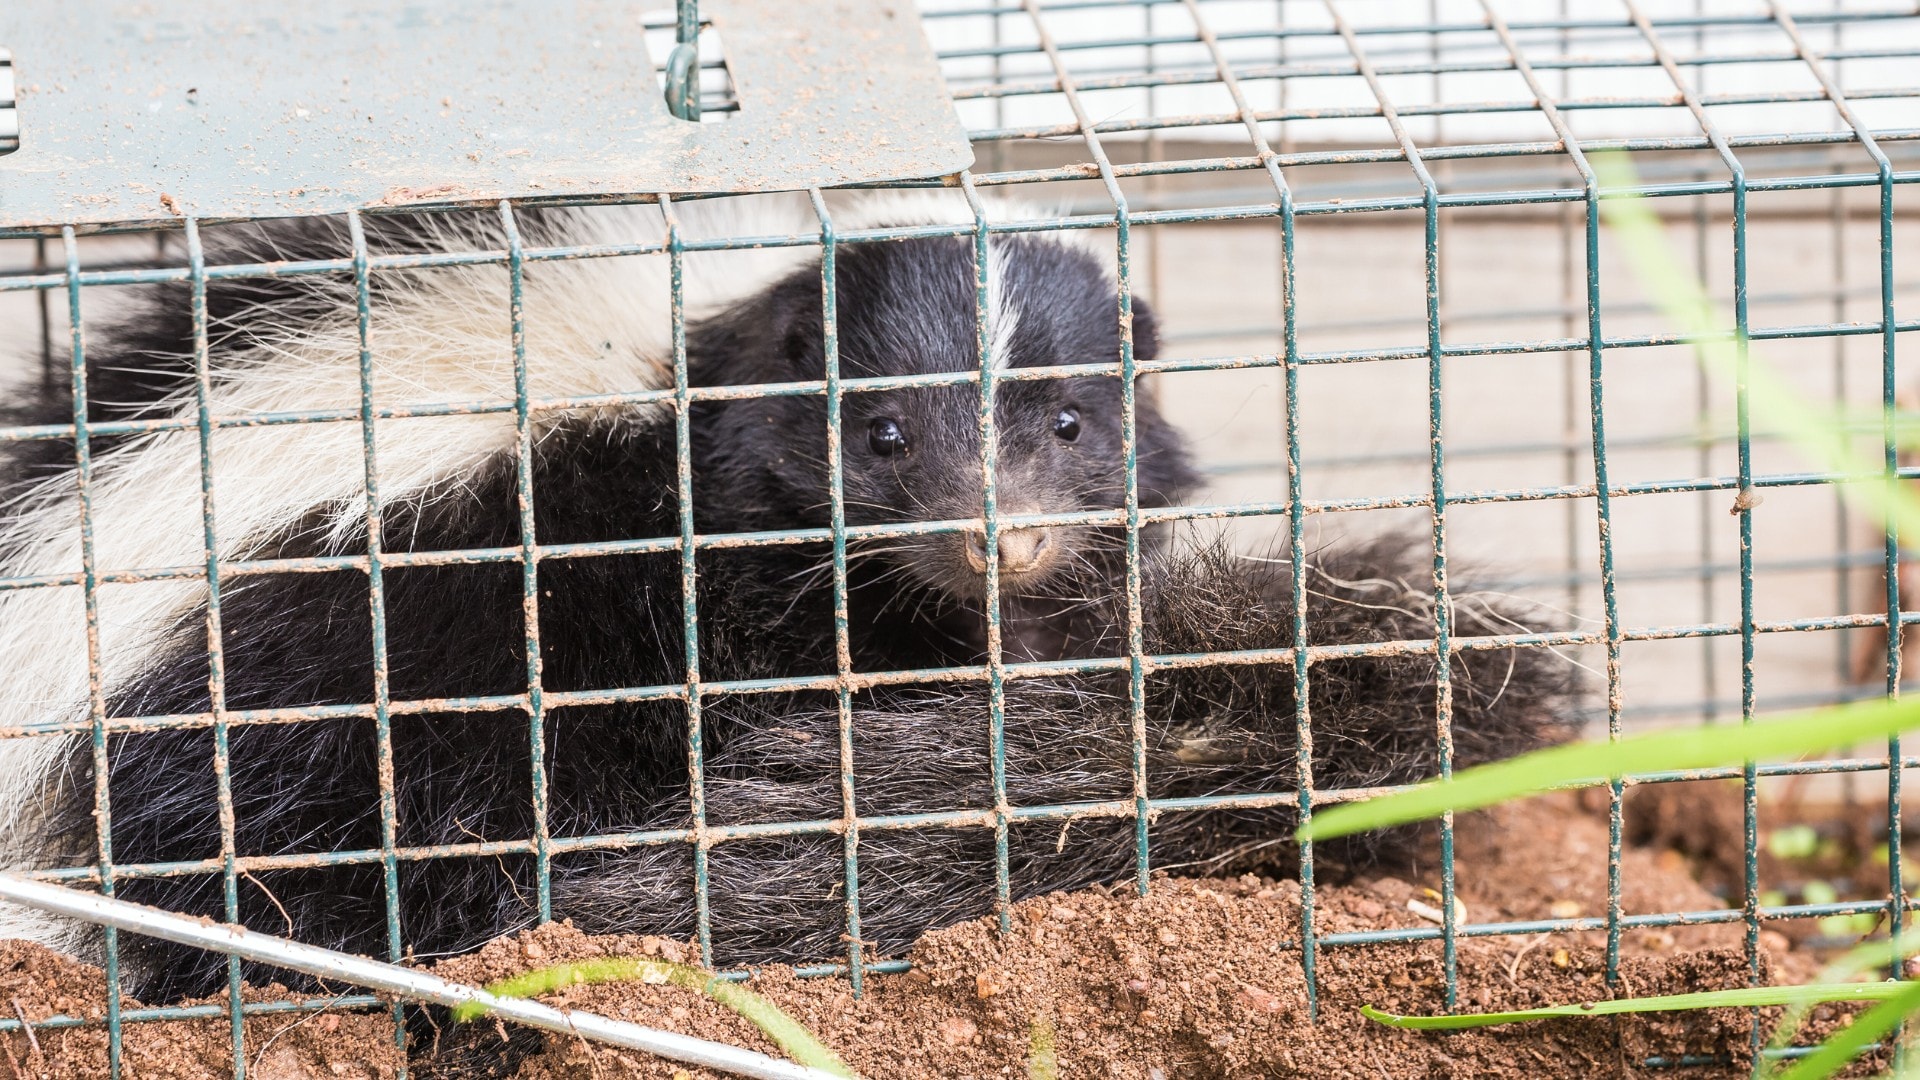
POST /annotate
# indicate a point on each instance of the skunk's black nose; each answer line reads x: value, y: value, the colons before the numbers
x: 1021, y: 550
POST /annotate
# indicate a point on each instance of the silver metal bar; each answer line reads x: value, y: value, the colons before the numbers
x: 391, y: 978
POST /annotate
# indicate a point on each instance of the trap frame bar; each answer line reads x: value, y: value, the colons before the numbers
x: 1437, y: 501
x: 377, y: 616
x: 90, y: 586
x: 837, y: 523
x: 1743, y: 506
x: 689, y: 584
x: 991, y: 522
x: 1268, y: 198
x: 1603, y: 509
x: 216, y: 650
x: 1889, y: 376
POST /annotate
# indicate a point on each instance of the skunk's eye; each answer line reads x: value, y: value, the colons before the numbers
x: 1067, y: 424
x: 885, y: 438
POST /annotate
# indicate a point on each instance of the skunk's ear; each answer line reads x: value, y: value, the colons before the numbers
x: 1146, y: 346
x: 1146, y: 330
x: 793, y: 322
x: 1166, y: 469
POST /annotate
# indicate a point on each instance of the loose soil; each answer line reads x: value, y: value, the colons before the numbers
x: 36, y: 983
x: 1201, y: 978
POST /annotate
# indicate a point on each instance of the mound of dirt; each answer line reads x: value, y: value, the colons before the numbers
x: 1201, y: 978
x: 37, y: 983
x: 1198, y: 979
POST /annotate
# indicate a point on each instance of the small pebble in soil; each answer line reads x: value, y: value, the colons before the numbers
x: 1370, y: 910
x: 986, y: 984
x: 958, y: 1031
x: 1258, y: 1000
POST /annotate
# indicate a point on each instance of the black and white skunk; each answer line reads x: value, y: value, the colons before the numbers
x: 464, y: 773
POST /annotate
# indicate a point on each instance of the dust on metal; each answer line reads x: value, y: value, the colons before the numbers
x: 234, y: 108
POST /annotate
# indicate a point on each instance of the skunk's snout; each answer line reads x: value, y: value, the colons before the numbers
x: 1022, y: 551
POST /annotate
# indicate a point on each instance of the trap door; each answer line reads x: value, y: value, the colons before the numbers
x: 129, y: 115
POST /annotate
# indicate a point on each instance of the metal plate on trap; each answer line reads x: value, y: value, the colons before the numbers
x: 134, y: 113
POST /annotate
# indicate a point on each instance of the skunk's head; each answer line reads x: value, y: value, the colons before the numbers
x: 913, y: 453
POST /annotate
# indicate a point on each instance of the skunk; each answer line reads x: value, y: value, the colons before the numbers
x: 613, y: 662
x: 605, y: 621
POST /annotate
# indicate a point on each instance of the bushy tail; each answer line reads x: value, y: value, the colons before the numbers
x: 1227, y: 730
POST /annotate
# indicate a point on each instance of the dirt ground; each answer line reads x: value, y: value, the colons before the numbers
x: 1201, y: 978
x: 36, y: 983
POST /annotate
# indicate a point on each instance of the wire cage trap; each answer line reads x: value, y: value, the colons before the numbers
x: 1371, y: 235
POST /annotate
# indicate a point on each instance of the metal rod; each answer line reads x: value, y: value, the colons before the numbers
x: 842, y: 620
x: 377, y: 611
x: 390, y: 978
x: 90, y: 587
x: 529, y: 569
x: 216, y: 651
x: 1437, y: 501
x: 683, y: 63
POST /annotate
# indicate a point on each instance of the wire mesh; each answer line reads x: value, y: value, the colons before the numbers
x: 1339, y: 150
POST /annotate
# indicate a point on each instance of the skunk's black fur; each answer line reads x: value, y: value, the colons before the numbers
x: 1222, y: 729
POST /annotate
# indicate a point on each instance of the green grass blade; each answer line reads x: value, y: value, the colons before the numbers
x: 793, y: 1038
x: 1867, y: 1028
x: 1855, y: 961
x: 1686, y: 303
x: 1635, y: 227
x: 1586, y: 764
x: 1744, y: 997
x: 1043, y: 1061
x: 1825, y: 439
